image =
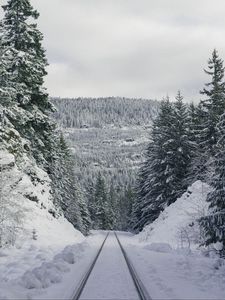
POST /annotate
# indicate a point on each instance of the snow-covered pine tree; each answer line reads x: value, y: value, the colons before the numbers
x: 102, y: 214
x: 85, y: 226
x: 153, y: 189
x: 214, y: 104
x: 100, y: 198
x: 126, y: 208
x: 180, y: 148
x: 22, y: 42
x: 213, y: 223
x: 162, y: 176
x: 66, y: 191
x: 197, y: 169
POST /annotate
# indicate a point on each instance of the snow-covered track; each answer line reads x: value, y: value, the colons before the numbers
x: 84, y: 280
x: 141, y: 290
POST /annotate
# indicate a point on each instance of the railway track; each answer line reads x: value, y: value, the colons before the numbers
x: 84, y: 280
x: 141, y: 290
x: 139, y: 287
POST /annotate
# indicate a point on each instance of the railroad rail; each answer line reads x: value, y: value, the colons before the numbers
x: 140, y: 288
x: 84, y: 280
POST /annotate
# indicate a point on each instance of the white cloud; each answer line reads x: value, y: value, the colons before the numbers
x: 133, y: 48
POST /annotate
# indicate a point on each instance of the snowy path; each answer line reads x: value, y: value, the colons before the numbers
x: 110, y: 278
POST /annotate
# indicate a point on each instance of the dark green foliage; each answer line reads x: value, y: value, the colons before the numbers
x: 214, y: 103
x: 102, y: 212
x: 214, y: 223
x: 153, y: 190
x: 23, y: 41
x: 162, y: 176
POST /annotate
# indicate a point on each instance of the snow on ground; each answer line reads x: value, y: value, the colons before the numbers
x: 30, y: 236
x: 177, y: 225
x: 36, y: 272
x: 50, y: 261
x: 166, y: 255
x: 172, y: 274
x: 6, y: 159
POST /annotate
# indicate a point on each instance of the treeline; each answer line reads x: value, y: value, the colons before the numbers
x: 27, y: 129
x: 99, y: 112
x: 187, y: 143
x: 107, y: 210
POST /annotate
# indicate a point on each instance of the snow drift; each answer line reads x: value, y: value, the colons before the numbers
x: 177, y: 225
x: 26, y: 192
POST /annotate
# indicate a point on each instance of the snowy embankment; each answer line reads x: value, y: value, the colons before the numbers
x: 177, y: 225
x: 166, y: 255
x: 38, y: 235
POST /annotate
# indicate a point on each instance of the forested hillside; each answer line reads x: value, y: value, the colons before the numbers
x: 33, y: 153
x: 107, y: 137
x: 100, y: 112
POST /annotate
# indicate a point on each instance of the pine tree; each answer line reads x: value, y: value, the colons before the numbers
x: 214, y: 104
x: 162, y: 176
x: 197, y: 169
x: 213, y: 223
x: 84, y: 212
x: 23, y: 41
x: 126, y: 208
x: 154, y: 189
x: 102, y: 213
x: 100, y: 199
x: 67, y: 194
x: 181, y: 147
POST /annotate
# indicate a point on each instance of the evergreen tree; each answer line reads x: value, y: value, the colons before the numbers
x: 66, y: 191
x: 213, y: 223
x: 154, y: 189
x: 214, y: 104
x: 126, y: 208
x: 181, y: 147
x: 162, y: 176
x: 198, y: 166
x: 100, y: 199
x: 102, y: 212
x: 23, y: 41
x: 85, y: 224
x: 21, y: 44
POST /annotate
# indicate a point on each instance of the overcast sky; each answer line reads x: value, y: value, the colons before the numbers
x: 131, y: 48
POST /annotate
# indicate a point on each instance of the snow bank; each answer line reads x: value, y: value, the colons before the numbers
x: 52, y: 272
x: 38, y: 254
x: 26, y: 191
x: 6, y: 159
x: 177, y: 224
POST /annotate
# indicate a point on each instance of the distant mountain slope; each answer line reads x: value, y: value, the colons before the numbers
x: 99, y: 112
x: 107, y: 135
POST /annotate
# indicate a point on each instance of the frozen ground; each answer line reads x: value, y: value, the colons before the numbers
x: 176, y: 274
x: 36, y: 273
